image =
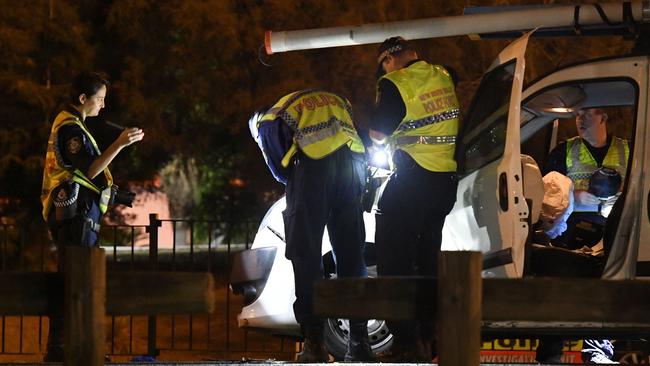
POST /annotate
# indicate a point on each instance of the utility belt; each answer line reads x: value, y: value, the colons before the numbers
x: 67, y: 196
x: 75, y: 216
x: 344, y: 150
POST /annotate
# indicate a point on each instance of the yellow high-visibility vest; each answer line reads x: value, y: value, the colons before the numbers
x: 581, y: 164
x: 429, y: 128
x: 57, y: 172
x: 321, y: 122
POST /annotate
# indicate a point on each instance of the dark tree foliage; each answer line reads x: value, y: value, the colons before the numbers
x: 190, y: 72
x: 40, y: 48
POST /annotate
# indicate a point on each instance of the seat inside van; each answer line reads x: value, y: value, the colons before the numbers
x: 542, y: 257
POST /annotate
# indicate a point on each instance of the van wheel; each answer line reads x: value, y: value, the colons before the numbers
x: 336, y: 336
x: 337, y: 330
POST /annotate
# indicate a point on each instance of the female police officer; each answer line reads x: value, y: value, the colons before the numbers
x: 74, y: 194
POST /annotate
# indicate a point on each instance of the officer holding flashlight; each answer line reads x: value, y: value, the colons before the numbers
x: 416, y: 114
x: 77, y: 185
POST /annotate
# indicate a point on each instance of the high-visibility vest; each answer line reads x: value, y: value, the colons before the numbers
x: 57, y: 171
x: 581, y: 164
x: 321, y: 123
x: 429, y: 128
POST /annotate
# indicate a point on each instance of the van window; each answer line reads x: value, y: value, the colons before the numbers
x: 483, y: 131
x: 617, y: 98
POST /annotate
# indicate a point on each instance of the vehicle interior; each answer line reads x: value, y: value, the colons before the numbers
x: 548, y: 119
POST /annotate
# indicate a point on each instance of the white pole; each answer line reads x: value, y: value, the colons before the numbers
x: 508, y: 20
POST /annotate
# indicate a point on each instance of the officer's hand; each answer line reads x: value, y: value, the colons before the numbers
x: 612, y: 200
x: 584, y: 198
x: 129, y: 136
x: 377, y: 137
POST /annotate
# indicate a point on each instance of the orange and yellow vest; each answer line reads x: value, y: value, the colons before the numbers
x: 57, y: 171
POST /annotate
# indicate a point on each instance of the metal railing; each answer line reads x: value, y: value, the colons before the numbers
x: 192, y: 245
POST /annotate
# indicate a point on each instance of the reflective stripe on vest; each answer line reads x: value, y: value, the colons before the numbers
x: 321, y: 122
x: 56, y: 172
x: 426, y: 140
x: 437, y: 118
x: 581, y: 164
x: 430, y: 125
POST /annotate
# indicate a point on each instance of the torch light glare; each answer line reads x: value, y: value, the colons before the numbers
x: 379, y: 157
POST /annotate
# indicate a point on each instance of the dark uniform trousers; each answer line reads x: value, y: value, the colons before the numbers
x: 411, y: 214
x: 74, y: 231
x: 320, y: 193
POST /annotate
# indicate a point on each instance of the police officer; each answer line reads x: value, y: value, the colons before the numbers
x: 77, y: 185
x: 579, y: 158
x: 309, y: 135
x: 416, y: 116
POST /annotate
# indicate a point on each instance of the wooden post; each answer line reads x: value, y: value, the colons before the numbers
x: 85, y: 306
x: 152, y: 332
x: 459, y: 308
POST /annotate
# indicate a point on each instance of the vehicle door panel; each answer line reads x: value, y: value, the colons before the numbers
x: 490, y: 212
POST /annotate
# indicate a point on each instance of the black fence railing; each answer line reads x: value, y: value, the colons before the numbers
x: 163, y: 244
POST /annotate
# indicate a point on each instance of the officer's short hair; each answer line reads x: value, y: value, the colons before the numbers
x: 87, y: 83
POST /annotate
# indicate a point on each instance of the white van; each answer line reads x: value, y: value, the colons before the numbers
x: 498, y: 202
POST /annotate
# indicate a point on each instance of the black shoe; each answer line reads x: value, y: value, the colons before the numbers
x: 313, y: 349
x: 359, y: 354
x: 358, y: 344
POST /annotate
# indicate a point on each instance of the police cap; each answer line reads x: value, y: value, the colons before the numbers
x: 390, y: 46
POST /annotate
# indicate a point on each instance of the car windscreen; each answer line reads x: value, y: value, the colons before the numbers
x: 483, y: 133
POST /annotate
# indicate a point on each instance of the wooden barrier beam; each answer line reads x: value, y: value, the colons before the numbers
x: 524, y: 300
x: 149, y: 293
x: 29, y: 293
x: 128, y: 292
x: 567, y: 299
x: 395, y: 298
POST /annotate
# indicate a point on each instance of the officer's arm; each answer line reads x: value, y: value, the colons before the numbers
x: 75, y: 150
x: 126, y: 138
x: 388, y: 112
x: 556, y: 160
